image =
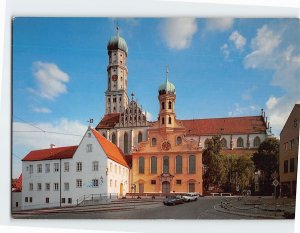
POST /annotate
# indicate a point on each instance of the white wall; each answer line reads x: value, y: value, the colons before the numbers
x: 16, y: 201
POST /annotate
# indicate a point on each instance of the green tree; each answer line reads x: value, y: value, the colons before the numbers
x: 266, y: 160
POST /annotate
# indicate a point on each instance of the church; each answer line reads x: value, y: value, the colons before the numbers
x: 166, y: 155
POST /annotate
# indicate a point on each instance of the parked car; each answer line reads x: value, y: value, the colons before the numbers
x: 190, y: 197
x: 173, y: 200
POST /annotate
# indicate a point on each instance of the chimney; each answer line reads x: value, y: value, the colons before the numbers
x: 262, y: 111
x: 52, y: 146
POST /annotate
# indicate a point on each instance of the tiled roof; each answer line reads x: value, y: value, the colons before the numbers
x: 229, y: 125
x: 18, y: 184
x: 110, y: 149
x: 51, y: 153
x: 108, y: 121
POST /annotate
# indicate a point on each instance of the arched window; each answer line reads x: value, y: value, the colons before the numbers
x: 224, y: 143
x: 178, y: 164
x: 162, y: 120
x: 153, y: 165
x: 140, y: 137
x: 240, y: 142
x: 153, y: 141
x: 166, y: 164
x: 170, y: 105
x: 206, y: 143
x: 256, y: 141
x: 113, y: 138
x: 126, y: 143
x: 141, y: 165
x: 192, y: 164
x: 170, y: 120
x: 179, y: 140
x: 162, y: 105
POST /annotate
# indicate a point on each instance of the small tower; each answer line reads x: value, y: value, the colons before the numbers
x: 117, y: 72
x: 166, y: 97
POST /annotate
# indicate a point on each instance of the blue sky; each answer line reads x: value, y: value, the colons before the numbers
x: 220, y: 67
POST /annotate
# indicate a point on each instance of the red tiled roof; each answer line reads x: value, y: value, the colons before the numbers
x: 17, y: 185
x: 110, y: 149
x: 51, y: 153
x: 229, y: 125
x: 108, y: 121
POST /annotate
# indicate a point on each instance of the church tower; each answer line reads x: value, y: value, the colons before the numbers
x: 167, y: 97
x: 117, y: 72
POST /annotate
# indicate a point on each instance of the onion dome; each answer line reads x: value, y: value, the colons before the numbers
x: 167, y: 87
x: 117, y: 42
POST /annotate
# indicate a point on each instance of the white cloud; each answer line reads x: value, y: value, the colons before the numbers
x: 243, y: 110
x: 247, y: 95
x: 42, y: 110
x: 271, y: 50
x: 225, y: 50
x: 238, y: 40
x: 178, y: 32
x: 23, y: 135
x: 51, y: 80
x: 219, y: 24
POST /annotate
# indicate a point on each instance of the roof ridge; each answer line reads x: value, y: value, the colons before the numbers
x: 219, y: 118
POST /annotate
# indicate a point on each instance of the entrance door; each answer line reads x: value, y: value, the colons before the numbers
x: 141, y: 188
x: 191, y: 187
x: 121, y: 189
x: 166, y: 187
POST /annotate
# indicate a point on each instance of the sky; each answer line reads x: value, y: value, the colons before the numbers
x: 221, y: 67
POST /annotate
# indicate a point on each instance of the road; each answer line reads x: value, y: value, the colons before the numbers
x: 204, y: 208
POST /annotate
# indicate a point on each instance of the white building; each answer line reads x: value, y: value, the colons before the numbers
x: 95, y: 169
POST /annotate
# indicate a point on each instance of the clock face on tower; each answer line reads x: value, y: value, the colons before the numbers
x: 166, y: 145
x: 114, y: 77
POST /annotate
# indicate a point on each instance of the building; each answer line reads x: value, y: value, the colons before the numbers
x: 288, y: 154
x: 17, y: 194
x: 168, y: 161
x: 66, y: 176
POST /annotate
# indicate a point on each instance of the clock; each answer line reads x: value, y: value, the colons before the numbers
x: 166, y: 145
x: 115, y: 77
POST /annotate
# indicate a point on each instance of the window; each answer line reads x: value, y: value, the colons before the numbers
x: 178, y: 181
x: 292, y: 143
x: 95, y: 182
x: 153, y: 181
x: 113, y: 138
x: 89, y: 148
x: 17, y: 204
x: 162, y: 120
x: 165, y: 164
x: 240, y: 142
x: 79, y: 183
x: 256, y: 141
x: 67, y: 186
x: 224, y: 143
x: 153, y: 141
x: 30, y: 186
x: 286, y: 166
x: 95, y: 166
x: 47, y: 168
x: 26, y: 199
x: 110, y: 167
x: 170, y: 120
x: 192, y: 164
x: 67, y: 166
x: 116, y: 169
x: 119, y: 169
x: 140, y: 137
x: 153, y: 165
x: 30, y: 199
x: 56, y: 167
x: 162, y: 105
x: 79, y: 166
x: 39, y: 186
x: 56, y: 187
x: 30, y: 169
x: 69, y: 200
x: 47, y: 200
x: 89, y: 135
x: 47, y: 186
x: 178, y: 140
x: 63, y: 200
x: 141, y: 165
x: 292, y: 165
x: 126, y: 143
x: 286, y: 146
x: 170, y: 105
x: 39, y: 168
x: 178, y: 164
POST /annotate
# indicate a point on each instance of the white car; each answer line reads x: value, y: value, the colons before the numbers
x: 190, y: 197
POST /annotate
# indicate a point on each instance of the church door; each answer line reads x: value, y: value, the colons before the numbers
x: 166, y: 187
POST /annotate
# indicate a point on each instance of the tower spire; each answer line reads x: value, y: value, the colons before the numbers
x: 117, y: 28
x: 167, y: 72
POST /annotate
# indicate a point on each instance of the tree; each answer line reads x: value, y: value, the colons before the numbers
x: 266, y: 160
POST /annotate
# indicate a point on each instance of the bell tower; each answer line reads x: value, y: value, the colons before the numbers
x: 117, y: 72
x: 167, y: 97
